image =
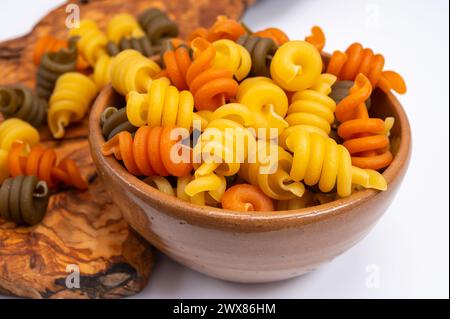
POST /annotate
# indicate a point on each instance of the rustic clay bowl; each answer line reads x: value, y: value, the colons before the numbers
x: 256, y: 246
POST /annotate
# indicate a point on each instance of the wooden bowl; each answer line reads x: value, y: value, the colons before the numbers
x: 250, y: 247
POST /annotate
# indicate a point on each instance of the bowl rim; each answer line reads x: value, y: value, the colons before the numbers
x: 206, y: 216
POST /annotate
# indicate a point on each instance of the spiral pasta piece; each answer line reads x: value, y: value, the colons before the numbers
x: 131, y: 71
x: 114, y: 121
x: 160, y: 183
x: 20, y: 102
x: 48, y: 43
x: 219, y: 152
x: 277, y: 35
x: 268, y: 169
x: 245, y: 197
x: 347, y: 65
x: 42, y: 163
x: 157, y: 25
x: 13, y: 130
x: 121, y: 26
x: 296, y: 66
x: 267, y: 103
x: 23, y: 200
x: 223, y: 28
x: 341, y: 89
x: 365, y: 138
x: 313, y: 109
x: 149, y: 152
x: 210, y: 87
x: 163, y: 105
x: 261, y: 51
x: 317, y: 38
x: 102, y: 72
x: 53, y: 65
x: 140, y: 44
x: 177, y: 63
x: 70, y: 101
x: 319, y: 160
x: 232, y: 56
x: 92, y: 42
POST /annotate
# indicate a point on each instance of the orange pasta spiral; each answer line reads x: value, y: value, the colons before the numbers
x: 177, y: 63
x: 317, y: 38
x: 277, y: 35
x: 223, y: 28
x: 365, y: 138
x: 149, y: 152
x: 210, y: 87
x: 347, y: 65
x: 42, y: 163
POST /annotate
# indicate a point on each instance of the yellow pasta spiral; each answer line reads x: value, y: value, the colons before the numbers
x: 123, y: 25
x: 102, y: 71
x: 269, y: 169
x: 131, y: 71
x: 13, y: 130
x: 70, y: 101
x: 221, y: 149
x: 163, y: 105
x: 267, y: 103
x: 232, y: 56
x: 320, y: 160
x: 296, y: 65
x: 313, y: 109
x: 92, y: 42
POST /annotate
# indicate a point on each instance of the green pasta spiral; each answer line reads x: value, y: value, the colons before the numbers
x: 19, y: 101
x: 261, y: 50
x: 53, y: 65
x: 23, y: 200
x: 157, y: 25
x: 142, y: 45
x: 114, y: 121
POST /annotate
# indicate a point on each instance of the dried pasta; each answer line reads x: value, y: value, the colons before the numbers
x: 313, y: 109
x: 210, y: 87
x: 266, y: 101
x: 92, y: 42
x: 261, y: 50
x: 163, y: 105
x: 23, y: 200
x: 232, y: 56
x: 296, y: 66
x: 53, y: 65
x: 131, y: 71
x: 347, y: 65
x: 42, y: 163
x: 245, y: 197
x: 121, y: 26
x: 20, y: 102
x: 157, y: 25
x: 320, y: 160
x: 69, y: 102
x: 148, y: 153
x: 114, y: 121
x: 13, y: 130
x: 365, y: 138
x: 140, y: 44
x: 223, y: 28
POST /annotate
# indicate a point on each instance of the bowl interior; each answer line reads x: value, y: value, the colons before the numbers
x: 382, y: 105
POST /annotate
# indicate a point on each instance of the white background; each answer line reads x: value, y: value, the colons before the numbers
x: 410, y: 245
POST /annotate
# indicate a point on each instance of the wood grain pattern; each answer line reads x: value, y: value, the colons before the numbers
x: 83, y: 228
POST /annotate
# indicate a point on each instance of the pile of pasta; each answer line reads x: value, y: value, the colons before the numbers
x: 239, y: 95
